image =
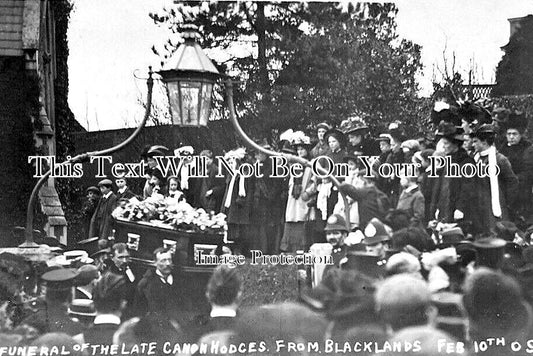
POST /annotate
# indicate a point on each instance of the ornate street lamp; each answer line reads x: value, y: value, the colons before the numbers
x: 189, y: 76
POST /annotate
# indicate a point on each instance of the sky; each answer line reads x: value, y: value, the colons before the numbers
x: 110, y: 49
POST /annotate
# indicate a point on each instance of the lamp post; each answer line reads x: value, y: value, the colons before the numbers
x: 29, y: 245
x: 189, y: 76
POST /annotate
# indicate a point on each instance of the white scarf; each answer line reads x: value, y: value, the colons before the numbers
x: 494, y: 184
x: 242, y: 190
x: 322, y: 199
x: 184, y: 177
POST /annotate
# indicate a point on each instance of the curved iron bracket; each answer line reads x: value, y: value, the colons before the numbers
x: 250, y: 143
x: 29, y: 243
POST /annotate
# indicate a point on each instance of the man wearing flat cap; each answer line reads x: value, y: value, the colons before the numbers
x: 497, y: 192
x: 101, y: 222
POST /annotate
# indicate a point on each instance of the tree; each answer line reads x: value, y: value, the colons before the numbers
x: 312, y: 61
x: 351, y: 63
x: 514, y: 74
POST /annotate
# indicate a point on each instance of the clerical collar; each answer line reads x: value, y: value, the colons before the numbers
x: 219, y: 311
x: 167, y: 280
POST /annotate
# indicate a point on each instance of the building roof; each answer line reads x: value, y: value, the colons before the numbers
x: 11, y: 14
x: 19, y: 26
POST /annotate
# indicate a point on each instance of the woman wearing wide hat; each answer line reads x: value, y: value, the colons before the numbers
x: 355, y: 129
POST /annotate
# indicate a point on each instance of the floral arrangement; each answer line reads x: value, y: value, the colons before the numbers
x: 172, y: 213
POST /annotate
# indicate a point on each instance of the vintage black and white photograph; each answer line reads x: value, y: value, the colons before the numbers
x: 266, y: 177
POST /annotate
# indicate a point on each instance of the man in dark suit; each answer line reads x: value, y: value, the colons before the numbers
x: 109, y: 301
x: 119, y: 264
x: 159, y: 292
x: 224, y: 293
x: 102, y: 222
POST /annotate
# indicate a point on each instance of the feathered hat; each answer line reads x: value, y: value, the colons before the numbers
x: 353, y: 124
x: 474, y: 113
x: 442, y: 111
x: 295, y: 138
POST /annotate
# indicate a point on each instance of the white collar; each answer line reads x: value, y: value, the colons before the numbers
x: 168, y: 280
x: 122, y: 190
x: 411, y: 188
x: 107, y: 319
x: 105, y: 196
x: 222, y: 311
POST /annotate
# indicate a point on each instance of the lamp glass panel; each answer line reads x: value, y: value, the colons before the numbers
x: 207, y: 91
x: 174, y: 101
x: 190, y: 95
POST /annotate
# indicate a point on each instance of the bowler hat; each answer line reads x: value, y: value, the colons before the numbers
x: 82, y: 307
x: 375, y: 232
x: 105, y: 183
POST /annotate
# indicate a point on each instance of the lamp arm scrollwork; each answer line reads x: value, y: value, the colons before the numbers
x: 83, y: 158
x: 253, y: 145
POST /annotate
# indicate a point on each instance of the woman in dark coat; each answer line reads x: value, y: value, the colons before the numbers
x: 453, y: 199
x: 517, y: 149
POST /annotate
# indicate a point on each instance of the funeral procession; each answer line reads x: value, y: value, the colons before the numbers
x: 266, y: 177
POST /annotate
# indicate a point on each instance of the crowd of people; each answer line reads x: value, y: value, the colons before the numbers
x: 428, y: 263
